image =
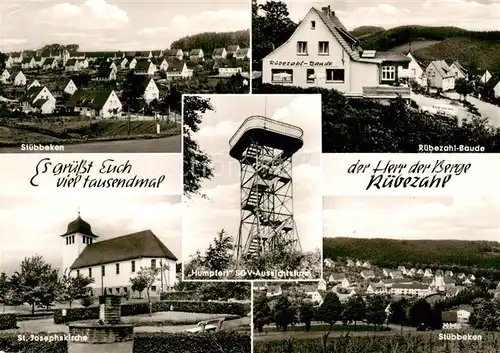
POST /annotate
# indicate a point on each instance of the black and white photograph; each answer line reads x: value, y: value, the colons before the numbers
x: 252, y: 199
x: 95, y: 274
x: 107, y: 76
x: 397, y: 270
x: 395, y: 76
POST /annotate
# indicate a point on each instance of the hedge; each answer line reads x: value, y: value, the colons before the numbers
x: 222, y: 341
x: 10, y: 342
x: 8, y: 321
x: 92, y: 313
x: 185, y: 295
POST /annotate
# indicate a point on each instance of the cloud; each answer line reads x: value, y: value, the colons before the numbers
x: 91, y: 15
x: 153, y: 30
x: 14, y: 41
x: 222, y: 20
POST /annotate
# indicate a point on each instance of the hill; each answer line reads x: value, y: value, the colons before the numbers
x: 365, y: 31
x: 389, y: 252
x: 471, y: 48
x: 208, y: 41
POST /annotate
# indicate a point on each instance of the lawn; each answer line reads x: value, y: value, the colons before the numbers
x: 326, y: 328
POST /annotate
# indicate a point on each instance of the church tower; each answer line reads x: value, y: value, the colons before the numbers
x: 78, y: 235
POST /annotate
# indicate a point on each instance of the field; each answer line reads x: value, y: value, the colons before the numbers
x: 406, y: 343
x: 70, y: 131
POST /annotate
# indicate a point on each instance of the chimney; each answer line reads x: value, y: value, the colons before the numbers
x: 332, y: 14
x: 325, y: 10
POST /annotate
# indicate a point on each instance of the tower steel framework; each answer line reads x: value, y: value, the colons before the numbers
x: 264, y: 149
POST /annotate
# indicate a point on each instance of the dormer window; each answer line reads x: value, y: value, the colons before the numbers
x: 313, y: 24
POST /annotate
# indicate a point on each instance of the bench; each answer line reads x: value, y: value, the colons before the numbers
x: 212, y: 325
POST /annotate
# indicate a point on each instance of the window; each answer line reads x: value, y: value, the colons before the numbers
x: 313, y: 24
x: 117, y: 269
x: 77, y: 273
x: 110, y: 291
x: 335, y: 75
x: 388, y: 73
x: 103, y: 270
x: 84, y: 239
x: 323, y: 48
x: 72, y: 239
x: 310, y: 76
x: 117, y: 290
x: 90, y: 272
x: 133, y: 266
x: 301, y: 48
x: 67, y: 241
x: 125, y: 289
x: 153, y: 288
x: 153, y: 263
x: 281, y: 75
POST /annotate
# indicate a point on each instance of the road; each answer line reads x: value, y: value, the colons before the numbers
x: 171, y: 144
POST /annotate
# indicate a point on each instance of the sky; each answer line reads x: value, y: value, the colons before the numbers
x: 33, y: 225
x: 115, y: 24
x: 470, y: 217
x: 203, y: 219
x: 472, y: 15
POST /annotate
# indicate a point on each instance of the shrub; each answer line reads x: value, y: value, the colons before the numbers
x: 8, y: 321
x: 223, y: 342
x: 184, y: 295
x: 92, y: 313
x: 10, y: 342
x: 87, y: 301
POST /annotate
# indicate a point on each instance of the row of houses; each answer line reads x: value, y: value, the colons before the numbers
x: 50, y: 59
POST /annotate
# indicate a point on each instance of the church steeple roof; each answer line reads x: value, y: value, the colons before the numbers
x: 79, y: 226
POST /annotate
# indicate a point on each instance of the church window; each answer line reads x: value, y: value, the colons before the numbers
x: 153, y: 263
x: 90, y: 272
x: 103, y: 269
x: 133, y: 266
x: 117, y: 269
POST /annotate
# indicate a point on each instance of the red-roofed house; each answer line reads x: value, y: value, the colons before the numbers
x: 114, y: 261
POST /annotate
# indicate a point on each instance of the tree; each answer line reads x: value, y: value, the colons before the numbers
x: 283, y: 313
x: 147, y: 276
x: 219, y: 253
x: 463, y: 88
x: 4, y: 288
x: 261, y: 313
x: 197, y: 164
x: 3, y: 58
x: 72, y: 288
x: 331, y: 309
x: 34, y: 282
x: 375, y: 310
x: 354, y: 310
x: 420, y: 313
x: 306, y: 314
x: 138, y: 284
x: 397, y: 312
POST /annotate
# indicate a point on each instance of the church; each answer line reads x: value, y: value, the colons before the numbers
x: 113, y: 262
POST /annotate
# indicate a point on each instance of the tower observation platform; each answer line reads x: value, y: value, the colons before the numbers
x: 264, y: 149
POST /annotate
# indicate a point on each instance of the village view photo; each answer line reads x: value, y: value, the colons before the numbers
x: 102, y: 275
x: 252, y: 201
x: 412, y: 76
x: 107, y: 76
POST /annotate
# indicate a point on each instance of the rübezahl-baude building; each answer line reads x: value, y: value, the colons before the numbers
x: 322, y: 53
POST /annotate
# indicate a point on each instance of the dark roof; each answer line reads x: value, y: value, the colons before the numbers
x: 442, y: 68
x: 79, y: 226
x: 242, y: 52
x: 71, y: 62
x: 195, y: 52
x: 449, y: 316
x: 77, y: 54
x: 459, y: 66
x: 233, y: 48
x: 48, y: 61
x: 142, y: 65
x: 104, y: 72
x: 91, y: 99
x: 392, y: 56
x: 27, y: 60
x: 175, y: 66
x: 32, y: 93
x: 156, y: 52
x: 130, y: 246
x: 171, y: 52
x: 39, y: 103
x: 143, y: 81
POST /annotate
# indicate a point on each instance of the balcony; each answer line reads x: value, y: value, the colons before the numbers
x: 386, y: 92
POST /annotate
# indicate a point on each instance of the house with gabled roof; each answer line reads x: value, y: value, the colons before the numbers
x: 18, y: 78
x: 145, y: 67
x: 38, y: 61
x: 494, y: 84
x: 367, y: 274
x: 149, y: 88
x: 410, y: 290
x: 232, y: 49
x: 39, y: 99
x: 228, y: 68
x: 321, y: 52
x: 440, y: 75
x: 144, y: 54
x: 70, y: 88
x: 416, y: 71
x: 242, y: 54
x: 106, y: 74
x: 14, y: 59
x: 50, y: 64
x: 173, y: 54
x: 329, y: 262
x: 177, y: 70
x: 95, y: 104
x: 123, y: 63
x: 4, y: 77
x: 157, y: 53
x: 376, y: 288
x: 35, y: 83
x: 219, y: 53
x: 196, y: 54
x: 485, y: 77
x: 117, y: 259
x: 161, y: 63
x: 274, y: 290
x: 336, y: 277
x: 28, y: 63
x: 72, y: 65
x: 132, y: 62
x: 459, y: 70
